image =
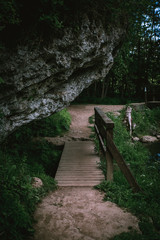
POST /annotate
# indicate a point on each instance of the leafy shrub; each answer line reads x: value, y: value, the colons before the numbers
x: 52, y: 126
x: 147, y: 121
x: 18, y: 197
x: 56, y: 124
x: 38, y: 19
x: 146, y: 204
x: 23, y: 157
x: 8, y: 14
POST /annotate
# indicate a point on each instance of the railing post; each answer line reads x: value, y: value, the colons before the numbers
x: 109, y: 158
x: 104, y: 129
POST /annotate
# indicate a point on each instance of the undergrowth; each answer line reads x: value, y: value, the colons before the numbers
x: 146, y: 121
x: 22, y: 157
x: 97, y: 100
x: 56, y: 124
x: 145, y: 204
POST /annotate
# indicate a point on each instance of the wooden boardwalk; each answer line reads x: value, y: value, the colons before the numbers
x: 79, y: 165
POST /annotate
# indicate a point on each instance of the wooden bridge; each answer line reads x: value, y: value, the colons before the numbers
x: 79, y: 163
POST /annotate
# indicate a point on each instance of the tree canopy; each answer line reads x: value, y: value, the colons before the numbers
x: 137, y: 63
x: 23, y: 18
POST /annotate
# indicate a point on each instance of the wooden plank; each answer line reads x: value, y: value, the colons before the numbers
x: 102, y: 130
x: 109, y: 163
x: 79, y: 184
x: 88, y: 175
x: 78, y: 165
x: 122, y: 164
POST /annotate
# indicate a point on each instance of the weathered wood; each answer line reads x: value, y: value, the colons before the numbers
x: 102, y: 145
x: 102, y: 125
x: 110, y: 151
x: 109, y: 158
x: 78, y: 165
x: 108, y: 123
x: 102, y: 131
x: 109, y: 163
x: 122, y: 164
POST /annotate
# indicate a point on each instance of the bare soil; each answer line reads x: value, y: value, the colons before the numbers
x: 79, y: 213
x: 79, y: 129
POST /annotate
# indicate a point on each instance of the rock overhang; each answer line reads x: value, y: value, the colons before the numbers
x: 42, y: 80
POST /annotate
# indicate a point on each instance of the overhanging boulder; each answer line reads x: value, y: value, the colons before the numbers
x: 39, y: 81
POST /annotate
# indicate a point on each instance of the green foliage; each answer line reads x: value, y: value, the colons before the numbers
x: 57, y: 124
x: 51, y: 21
x: 134, y: 235
x: 147, y: 121
x: 18, y: 197
x: 43, y: 17
x: 146, y: 204
x: 23, y: 157
x: 8, y: 13
x: 136, y: 64
x: 1, y: 80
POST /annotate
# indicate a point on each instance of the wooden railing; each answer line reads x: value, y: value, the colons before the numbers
x: 104, y: 129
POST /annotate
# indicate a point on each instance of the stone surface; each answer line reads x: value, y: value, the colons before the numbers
x: 116, y: 114
x: 135, y: 139
x: 37, y: 182
x: 148, y: 139
x: 39, y: 81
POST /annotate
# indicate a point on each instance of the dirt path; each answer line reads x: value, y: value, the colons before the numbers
x: 79, y: 213
x: 79, y: 129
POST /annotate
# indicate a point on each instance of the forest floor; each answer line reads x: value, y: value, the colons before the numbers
x: 76, y: 213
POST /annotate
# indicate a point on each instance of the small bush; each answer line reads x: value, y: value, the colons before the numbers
x: 56, y: 124
x: 145, y: 205
x: 18, y: 197
x: 23, y: 157
x: 147, y: 121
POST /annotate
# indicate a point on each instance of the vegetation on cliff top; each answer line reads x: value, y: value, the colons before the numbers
x: 30, y: 19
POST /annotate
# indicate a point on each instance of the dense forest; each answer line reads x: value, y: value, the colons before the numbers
x: 137, y: 63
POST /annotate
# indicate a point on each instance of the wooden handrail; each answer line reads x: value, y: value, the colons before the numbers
x: 104, y: 129
x: 107, y: 122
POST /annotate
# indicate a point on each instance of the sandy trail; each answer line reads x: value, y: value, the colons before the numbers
x: 79, y: 129
x: 81, y: 113
x: 79, y: 213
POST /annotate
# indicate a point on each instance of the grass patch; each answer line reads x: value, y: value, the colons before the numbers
x: 56, y: 124
x: 146, y: 204
x: 23, y: 157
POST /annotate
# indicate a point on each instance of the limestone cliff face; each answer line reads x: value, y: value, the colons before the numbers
x: 41, y: 81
